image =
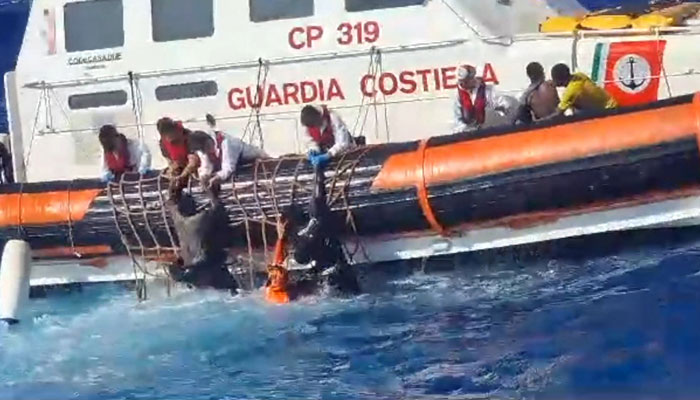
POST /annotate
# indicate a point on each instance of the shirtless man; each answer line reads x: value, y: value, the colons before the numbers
x: 540, y: 99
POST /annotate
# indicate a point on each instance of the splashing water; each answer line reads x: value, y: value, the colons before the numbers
x: 502, y: 326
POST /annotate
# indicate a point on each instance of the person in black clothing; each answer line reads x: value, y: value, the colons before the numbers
x: 201, y: 236
x: 6, y: 172
x: 317, y: 243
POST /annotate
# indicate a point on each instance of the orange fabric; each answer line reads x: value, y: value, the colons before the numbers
x: 422, y: 190
x: 696, y: 107
x: 473, y: 158
x: 280, y: 251
x: 276, y: 292
x: 277, y: 296
x: 45, y: 208
x: 55, y: 252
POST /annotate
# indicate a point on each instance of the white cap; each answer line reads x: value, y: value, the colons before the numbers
x: 466, y: 71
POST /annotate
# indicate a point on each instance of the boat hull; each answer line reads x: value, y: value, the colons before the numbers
x: 630, y: 169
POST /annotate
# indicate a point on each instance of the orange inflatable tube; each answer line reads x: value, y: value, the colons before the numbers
x: 45, y: 208
x: 491, y: 155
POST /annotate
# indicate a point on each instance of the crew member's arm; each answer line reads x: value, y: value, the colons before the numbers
x: 231, y: 150
x: 193, y: 163
x: 310, y: 145
x: 204, y: 168
x: 458, y: 119
x: 105, y: 174
x: 568, y: 99
x: 342, y: 135
x: 140, y: 156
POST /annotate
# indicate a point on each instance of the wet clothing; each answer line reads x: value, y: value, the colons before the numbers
x: 332, y: 137
x: 582, y: 94
x: 134, y: 157
x: 540, y: 100
x: 201, y: 238
x: 317, y: 243
x: 471, y: 108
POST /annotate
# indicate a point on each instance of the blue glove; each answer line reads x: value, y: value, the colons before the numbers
x: 107, y: 177
x: 312, y: 153
x: 320, y: 159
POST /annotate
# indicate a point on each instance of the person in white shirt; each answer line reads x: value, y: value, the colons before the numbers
x: 227, y: 152
x: 475, y: 101
x: 326, y: 134
x: 121, y: 155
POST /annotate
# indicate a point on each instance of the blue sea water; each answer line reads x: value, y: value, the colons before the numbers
x: 603, y: 319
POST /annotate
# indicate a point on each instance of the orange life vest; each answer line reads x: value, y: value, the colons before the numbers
x: 325, y: 139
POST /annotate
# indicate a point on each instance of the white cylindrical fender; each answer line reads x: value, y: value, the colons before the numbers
x: 14, y: 279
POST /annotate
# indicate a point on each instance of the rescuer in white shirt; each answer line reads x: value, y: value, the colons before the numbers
x: 327, y: 135
x: 228, y: 151
x: 475, y: 101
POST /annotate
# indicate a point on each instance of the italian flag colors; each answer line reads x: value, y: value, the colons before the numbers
x: 629, y: 71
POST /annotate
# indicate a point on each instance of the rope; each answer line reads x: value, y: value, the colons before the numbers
x: 70, y: 223
x: 134, y: 264
x: 147, y: 223
x: 136, y: 105
x: 260, y: 84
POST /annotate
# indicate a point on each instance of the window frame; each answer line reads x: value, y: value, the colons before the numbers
x: 114, y: 91
x: 184, y: 84
x: 261, y: 21
x: 153, y: 25
x: 345, y: 7
x: 70, y: 4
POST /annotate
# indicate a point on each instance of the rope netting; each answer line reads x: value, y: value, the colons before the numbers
x: 254, y: 203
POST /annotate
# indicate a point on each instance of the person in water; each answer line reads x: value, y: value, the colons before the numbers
x: 201, y: 236
x: 540, y: 99
x: 226, y: 152
x: 326, y: 133
x: 121, y: 155
x: 581, y: 94
x: 315, y: 243
x: 474, y: 100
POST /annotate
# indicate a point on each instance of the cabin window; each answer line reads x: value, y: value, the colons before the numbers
x: 187, y: 91
x: 92, y: 25
x: 270, y: 10
x: 182, y: 19
x: 97, y: 99
x: 364, y: 5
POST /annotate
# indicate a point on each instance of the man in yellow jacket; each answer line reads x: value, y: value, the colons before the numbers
x: 581, y: 93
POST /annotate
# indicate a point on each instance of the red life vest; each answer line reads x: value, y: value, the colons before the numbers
x: 325, y: 139
x: 177, y: 152
x: 118, y: 162
x: 473, y: 111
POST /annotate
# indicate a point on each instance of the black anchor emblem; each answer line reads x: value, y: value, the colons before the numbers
x: 632, y: 83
